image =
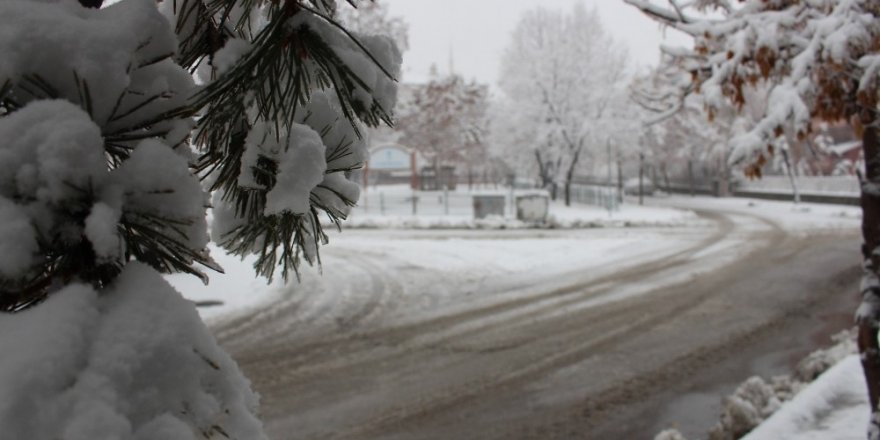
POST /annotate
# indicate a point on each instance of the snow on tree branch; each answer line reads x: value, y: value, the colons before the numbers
x: 816, y: 55
x: 103, y: 188
x: 275, y: 72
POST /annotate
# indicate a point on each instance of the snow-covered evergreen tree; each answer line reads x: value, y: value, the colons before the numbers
x: 110, y: 151
x: 820, y: 61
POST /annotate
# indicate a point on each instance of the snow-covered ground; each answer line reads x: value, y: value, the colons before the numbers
x: 234, y: 291
x: 796, y: 218
x: 465, y: 257
x: 448, y: 243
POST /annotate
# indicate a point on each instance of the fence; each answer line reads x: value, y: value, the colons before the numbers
x: 603, y: 196
x: 398, y: 201
x: 838, y: 185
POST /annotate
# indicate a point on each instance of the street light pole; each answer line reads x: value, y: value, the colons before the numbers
x: 610, y: 162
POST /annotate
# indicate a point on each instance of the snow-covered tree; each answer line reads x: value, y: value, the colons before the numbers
x: 511, y: 139
x: 373, y: 18
x: 688, y: 139
x: 562, y: 75
x: 821, y: 61
x: 445, y: 120
x: 681, y: 118
x: 109, y: 153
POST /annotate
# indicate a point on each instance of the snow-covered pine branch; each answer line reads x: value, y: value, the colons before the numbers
x: 94, y: 168
x: 271, y: 75
x: 102, y: 189
x: 287, y: 93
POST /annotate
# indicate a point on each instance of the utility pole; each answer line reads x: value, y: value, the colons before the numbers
x: 619, y: 178
x: 610, y: 161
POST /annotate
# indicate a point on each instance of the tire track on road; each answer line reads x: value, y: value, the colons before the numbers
x: 298, y: 356
x: 286, y: 362
x: 611, y: 324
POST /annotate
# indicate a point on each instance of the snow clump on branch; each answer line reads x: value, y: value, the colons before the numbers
x: 134, y: 363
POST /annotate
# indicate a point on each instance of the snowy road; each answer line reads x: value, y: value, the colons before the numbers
x: 409, y: 339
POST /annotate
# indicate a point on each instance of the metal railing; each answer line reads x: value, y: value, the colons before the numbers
x: 603, y: 196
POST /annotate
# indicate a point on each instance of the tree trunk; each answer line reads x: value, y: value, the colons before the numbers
x: 619, y: 180
x: 653, y: 169
x: 791, y: 177
x: 567, y: 192
x: 569, y: 175
x: 641, y: 177
x: 436, y: 164
x: 544, y: 173
x: 691, y: 177
x: 724, y: 186
x: 869, y: 311
x: 665, y: 178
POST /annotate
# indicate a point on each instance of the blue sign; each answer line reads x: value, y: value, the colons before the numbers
x: 390, y: 158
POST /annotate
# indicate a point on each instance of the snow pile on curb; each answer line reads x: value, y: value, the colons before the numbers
x: 757, y: 400
x: 133, y: 363
x: 752, y: 402
x: 836, y: 400
x: 669, y: 434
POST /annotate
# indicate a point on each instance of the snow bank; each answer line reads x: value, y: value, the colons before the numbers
x: 756, y: 400
x: 802, y: 218
x: 818, y: 401
x: 134, y: 362
x: 752, y: 402
x: 669, y: 434
x: 835, y: 406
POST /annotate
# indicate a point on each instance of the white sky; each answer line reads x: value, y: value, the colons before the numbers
x: 477, y: 31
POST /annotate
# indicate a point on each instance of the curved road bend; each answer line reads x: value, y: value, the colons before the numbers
x: 617, y: 356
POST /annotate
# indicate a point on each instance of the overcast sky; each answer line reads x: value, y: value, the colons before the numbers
x: 477, y: 31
